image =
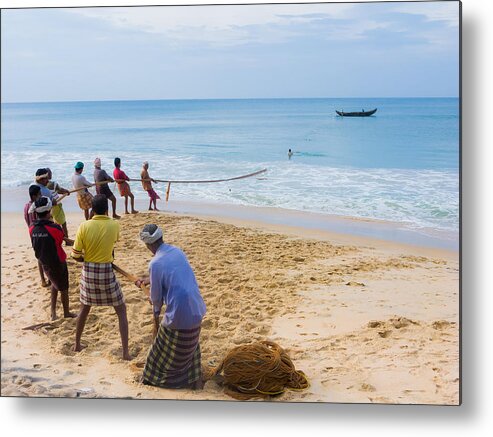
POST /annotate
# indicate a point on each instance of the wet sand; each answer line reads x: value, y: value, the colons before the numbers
x: 366, y: 320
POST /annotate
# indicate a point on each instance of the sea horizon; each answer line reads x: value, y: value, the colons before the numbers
x: 224, y: 98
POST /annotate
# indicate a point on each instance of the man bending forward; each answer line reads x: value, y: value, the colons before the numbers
x: 174, y: 358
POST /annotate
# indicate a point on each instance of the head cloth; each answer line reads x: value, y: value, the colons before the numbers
x: 149, y: 238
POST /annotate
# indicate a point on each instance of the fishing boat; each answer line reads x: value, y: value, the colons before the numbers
x: 356, y: 114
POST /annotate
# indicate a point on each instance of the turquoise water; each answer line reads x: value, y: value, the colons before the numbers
x: 401, y: 164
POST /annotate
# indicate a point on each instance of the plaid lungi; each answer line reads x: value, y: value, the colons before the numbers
x: 174, y: 358
x: 98, y: 285
x: 152, y: 194
x: 123, y: 188
x: 84, y: 200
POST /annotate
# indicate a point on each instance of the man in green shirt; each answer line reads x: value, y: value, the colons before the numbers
x: 94, y: 245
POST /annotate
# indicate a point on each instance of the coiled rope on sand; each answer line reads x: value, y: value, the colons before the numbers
x: 259, y: 370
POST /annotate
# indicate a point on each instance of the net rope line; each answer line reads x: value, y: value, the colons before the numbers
x: 258, y: 370
x: 169, y: 182
x: 207, y: 181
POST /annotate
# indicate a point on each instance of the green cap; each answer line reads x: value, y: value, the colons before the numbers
x: 79, y: 165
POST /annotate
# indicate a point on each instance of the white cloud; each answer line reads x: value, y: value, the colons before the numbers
x: 447, y: 11
x: 163, y: 19
x: 224, y: 25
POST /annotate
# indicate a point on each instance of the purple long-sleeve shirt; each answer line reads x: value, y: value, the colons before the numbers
x: 173, y: 283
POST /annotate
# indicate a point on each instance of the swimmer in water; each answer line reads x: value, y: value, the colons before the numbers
x: 290, y: 153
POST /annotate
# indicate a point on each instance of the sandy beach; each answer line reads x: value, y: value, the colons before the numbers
x: 368, y: 321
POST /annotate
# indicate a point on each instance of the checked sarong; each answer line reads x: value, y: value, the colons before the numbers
x: 174, y: 359
x: 99, y: 286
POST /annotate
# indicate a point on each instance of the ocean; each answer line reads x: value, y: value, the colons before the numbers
x: 400, y: 165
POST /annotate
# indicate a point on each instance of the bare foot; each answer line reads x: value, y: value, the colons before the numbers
x: 68, y: 242
x: 150, y: 209
x: 127, y: 357
x: 70, y: 316
x: 116, y: 216
x: 155, y: 209
x: 45, y: 283
x: 53, y: 317
x: 134, y: 211
x: 78, y: 347
x: 126, y: 212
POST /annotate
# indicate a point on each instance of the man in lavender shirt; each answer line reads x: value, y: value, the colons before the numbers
x: 174, y: 359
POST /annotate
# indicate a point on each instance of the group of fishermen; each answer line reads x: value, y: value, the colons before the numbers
x: 101, y: 181
x: 174, y: 359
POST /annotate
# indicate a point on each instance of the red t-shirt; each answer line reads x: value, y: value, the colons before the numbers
x: 120, y: 174
x: 47, y: 238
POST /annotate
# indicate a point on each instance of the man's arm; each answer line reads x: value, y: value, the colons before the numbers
x: 143, y: 283
x: 78, y: 247
x: 107, y: 177
x: 86, y: 182
x: 156, y: 289
x: 26, y: 215
x: 143, y: 280
x: 156, y: 296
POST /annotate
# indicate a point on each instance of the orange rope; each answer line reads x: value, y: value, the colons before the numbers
x: 259, y: 370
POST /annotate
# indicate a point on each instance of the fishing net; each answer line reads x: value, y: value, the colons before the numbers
x: 259, y: 370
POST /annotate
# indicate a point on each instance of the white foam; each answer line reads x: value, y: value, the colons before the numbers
x: 418, y: 198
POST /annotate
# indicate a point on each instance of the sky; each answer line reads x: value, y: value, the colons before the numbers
x: 404, y: 49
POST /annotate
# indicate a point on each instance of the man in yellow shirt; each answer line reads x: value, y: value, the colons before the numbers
x: 94, y: 245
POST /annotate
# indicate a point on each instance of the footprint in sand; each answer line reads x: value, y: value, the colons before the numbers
x: 66, y: 349
x: 375, y: 324
x: 133, y: 300
x: 367, y: 387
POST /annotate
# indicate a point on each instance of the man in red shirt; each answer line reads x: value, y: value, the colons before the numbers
x: 121, y: 179
x: 47, y: 238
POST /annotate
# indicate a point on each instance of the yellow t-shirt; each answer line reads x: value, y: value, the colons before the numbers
x: 96, y: 239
